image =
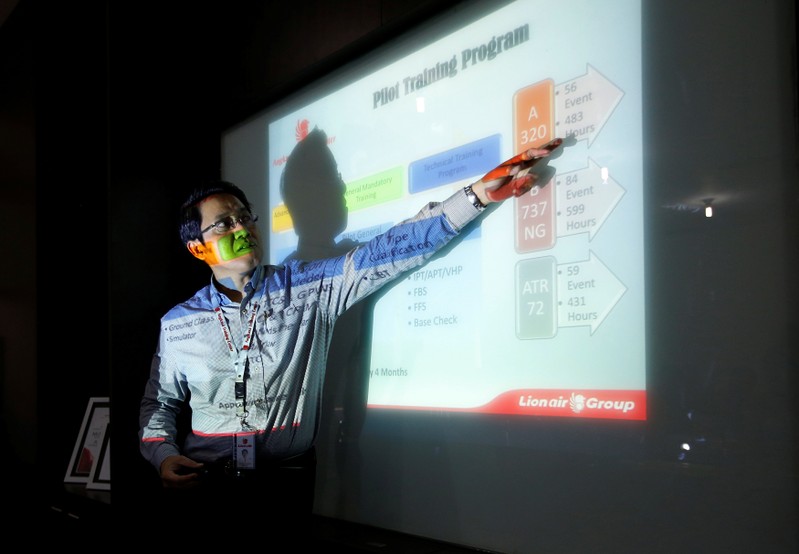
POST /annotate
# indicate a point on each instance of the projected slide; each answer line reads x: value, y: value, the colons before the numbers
x: 539, y: 310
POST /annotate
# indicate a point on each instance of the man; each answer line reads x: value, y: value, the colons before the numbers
x: 248, y: 352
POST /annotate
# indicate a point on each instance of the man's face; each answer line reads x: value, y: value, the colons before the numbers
x: 237, y: 249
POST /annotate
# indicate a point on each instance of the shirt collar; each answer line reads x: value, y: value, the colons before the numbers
x: 254, y: 285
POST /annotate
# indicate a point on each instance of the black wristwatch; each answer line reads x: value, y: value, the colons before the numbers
x: 473, y: 198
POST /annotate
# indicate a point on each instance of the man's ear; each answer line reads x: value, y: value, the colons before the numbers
x: 197, y: 249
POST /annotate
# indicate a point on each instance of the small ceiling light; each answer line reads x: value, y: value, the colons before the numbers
x: 708, y: 207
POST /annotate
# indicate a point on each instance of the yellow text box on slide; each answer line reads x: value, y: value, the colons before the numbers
x: 281, y: 219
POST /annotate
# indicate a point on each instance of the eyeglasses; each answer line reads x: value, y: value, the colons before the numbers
x: 230, y: 222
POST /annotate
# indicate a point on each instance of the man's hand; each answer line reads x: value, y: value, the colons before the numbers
x: 180, y: 472
x: 514, y: 176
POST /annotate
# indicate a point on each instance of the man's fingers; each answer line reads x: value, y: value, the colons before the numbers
x: 511, y: 166
x: 514, y: 187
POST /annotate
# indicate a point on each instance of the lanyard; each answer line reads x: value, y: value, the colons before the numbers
x: 239, y: 359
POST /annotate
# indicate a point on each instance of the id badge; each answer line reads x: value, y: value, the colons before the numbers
x: 245, y: 451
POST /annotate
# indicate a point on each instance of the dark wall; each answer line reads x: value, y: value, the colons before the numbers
x: 17, y: 269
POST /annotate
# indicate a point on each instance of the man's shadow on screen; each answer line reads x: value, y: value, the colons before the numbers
x: 313, y: 193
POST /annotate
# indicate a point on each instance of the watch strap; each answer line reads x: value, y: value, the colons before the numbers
x: 470, y: 194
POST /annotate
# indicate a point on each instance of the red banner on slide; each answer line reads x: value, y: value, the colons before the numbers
x: 580, y: 403
x: 602, y: 404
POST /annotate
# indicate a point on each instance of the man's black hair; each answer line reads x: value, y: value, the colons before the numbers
x: 190, y: 217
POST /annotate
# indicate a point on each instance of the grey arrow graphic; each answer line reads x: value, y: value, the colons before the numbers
x: 585, y: 199
x: 584, y: 104
x: 587, y: 292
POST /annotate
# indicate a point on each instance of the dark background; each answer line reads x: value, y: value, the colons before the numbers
x: 110, y: 110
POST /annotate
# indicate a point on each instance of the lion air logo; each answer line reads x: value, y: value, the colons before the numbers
x: 577, y: 403
x: 302, y: 130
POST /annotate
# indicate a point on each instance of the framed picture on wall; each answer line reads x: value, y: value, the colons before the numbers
x: 100, y: 475
x: 91, y: 440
